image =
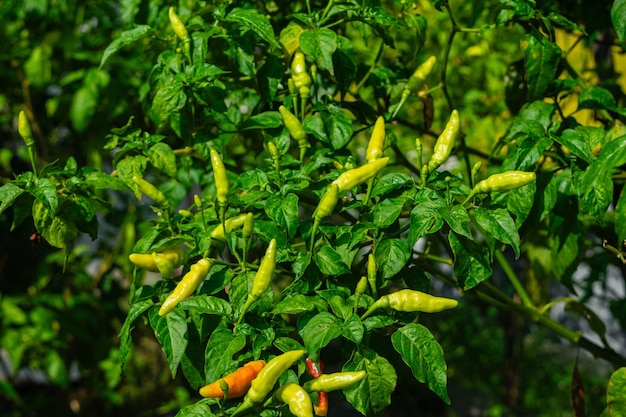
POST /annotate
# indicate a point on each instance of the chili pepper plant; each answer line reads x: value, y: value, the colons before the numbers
x: 341, y: 179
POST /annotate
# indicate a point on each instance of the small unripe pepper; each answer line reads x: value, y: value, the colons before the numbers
x: 190, y: 282
x: 411, y: 301
x: 327, y: 203
x: 505, y: 181
x: 248, y: 226
x: 220, y: 177
x: 231, y: 224
x: 180, y: 30
x: 266, y: 379
x: 445, y: 142
x: 376, y: 145
x: 23, y: 128
x: 296, y: 398
x: 335, y: 382
x: 151, y: 191
x: 262, y: 278
x: 418, y: 77
x: 238, y: 382
x: 295, y: 128
x: 147, y: 261
x: 371, y: 274
x: 357, y: 176
x: 301, y: 78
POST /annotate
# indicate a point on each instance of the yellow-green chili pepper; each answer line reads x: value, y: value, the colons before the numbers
x: 335, y: 382
x: 357, y: 176
x: 445, y: 142
x: 296, y: 130
x: 180, y: 30
x: 190, y: 282
x: 301, y: 78
x: 266, y: 379
x: 505, y: 181
x: 262, y: 278
x: 371, y: 274
x: 221, y: 182
x: 376, y: 145
x: 296, y: 398
x: 175, y: 256
x: 416, y: 81
x: 231, y: 224
x: 151, y: 191
x: 411, y: 301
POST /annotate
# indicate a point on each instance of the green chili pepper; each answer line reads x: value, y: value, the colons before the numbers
x: 445, y: 142
x: 357, y: 176
x: 371, y: 274
x: 335, y: 382
x: 23, y: 128
x: 151, y: 191
x: 376, y: 145
x: 266, y: 379
x: 502, y: 182
x: 180, y: 30
x: 262, y: 278
x: 147, y: 261
x: 190, y: 282
x: 296, y: 398
x: 231, y: 224
x: 327, y: 203
x: 295, y: 128
x: 416, y: 81
x: 221, y: 182
x: 411, y: 301
x: 248, y: 226
x: 301, y: 78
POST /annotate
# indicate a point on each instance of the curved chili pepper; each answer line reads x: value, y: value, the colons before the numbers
x: 190, y: 282
x: 357, y: 176
x: 296, y: 398
x: 238, y: 382
x: 263, y: 277
x: 376, y: 145
x: 445, y: 142
x: 411, y: 301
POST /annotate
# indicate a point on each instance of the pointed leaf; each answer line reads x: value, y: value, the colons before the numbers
x: 471, y: 261
x: 171, y: 332
x: 126, y: 38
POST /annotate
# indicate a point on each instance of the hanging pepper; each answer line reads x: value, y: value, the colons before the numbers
x: 148, y: 261
x: 335, y: 382
x: 266, y: 379
x: 151, y: 191
x: 321, y: 409
x: 416, y: 81
x: 445, y: 142
x: 324, y: 208
x: 221, y: 182
x: 376, y: 145
x: 262, y: 278
x: 296, y: 130
x: 238, y: 382
x: 505, y: 181
x: 190, y: 282
x: 357, y: 176
x: 411, y: 301
x: 180, y: 30
x: 301, y: 78
x: 371, y: 274
x: 296, y: 398
x: 231, y: 224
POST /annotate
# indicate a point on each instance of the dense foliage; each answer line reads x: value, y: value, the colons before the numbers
x: 428, y: 192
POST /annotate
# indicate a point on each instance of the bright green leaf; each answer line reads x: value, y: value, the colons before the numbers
x: 499, y: 224
x: 541, y: 58
x: 321, y: 44
x: 391, y: 256
x: 171, y: 332
x: 330, y: 262
x: 318, y: 332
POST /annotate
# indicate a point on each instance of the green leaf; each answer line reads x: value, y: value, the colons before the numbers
x: 198, y: 409
x: 298, y: 304
x: 46, y: 192
x: 576, y: 142
x: 387, y: 211
x: 371, y: 395
x: 595, y: 322
x: 353, y: 329
x: 126, y: 38
x: 171, y: 332
x: 318, y: 332
x: 471, y: 261
x: 136, y: 311
x: 337, y: 126
x: 391, y: 256
x: 425, y: 216
x: 255, y: 21
x: 162, y: 157
x: 102, y: 181
x: 618, y: 17
x: 330, y: 263
x: 424, y: 355
x: 613, y: 153
x: 458, y: 220
x: 206, y: 304
x: 595, y: 190
x: 169, y: 99
x: 391, y: 182
x: 57, y: 231
x: 83, y: 106
x: 616, y: 393
x: 220, y: 349
x: 8, y: 193
x: 499, y: 224
x: 596, y: 98
x: 321, y: 44
x: 541, y: 58
x: 265, y: 120
x: 284, y: 211
x: 127, y: 168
